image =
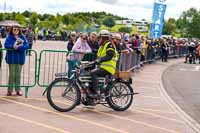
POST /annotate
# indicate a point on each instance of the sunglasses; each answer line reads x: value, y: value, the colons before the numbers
x: 73, y: 35
x: 15, y: 29
x: 84, y: 38
x: 118, y: 39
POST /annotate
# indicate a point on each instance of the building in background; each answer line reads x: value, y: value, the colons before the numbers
x: 141, y: 25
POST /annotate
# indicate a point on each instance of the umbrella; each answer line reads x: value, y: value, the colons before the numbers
x: 9, y: 23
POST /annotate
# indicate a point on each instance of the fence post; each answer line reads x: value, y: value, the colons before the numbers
x: 26, y: 92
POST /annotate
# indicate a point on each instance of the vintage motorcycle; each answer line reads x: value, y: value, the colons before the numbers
x: 64, y: 94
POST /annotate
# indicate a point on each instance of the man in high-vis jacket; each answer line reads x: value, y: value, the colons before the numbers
x: 107, y: 57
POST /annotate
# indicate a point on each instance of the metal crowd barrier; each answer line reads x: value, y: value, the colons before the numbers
x: 173, y: 52
x: 134, y: 60
x: 52, y: 61
x: 14, y: 75
x: 126, y: 61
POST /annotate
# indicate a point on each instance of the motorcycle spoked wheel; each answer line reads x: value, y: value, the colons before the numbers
x: 62, y: 95
x: 120, y: 92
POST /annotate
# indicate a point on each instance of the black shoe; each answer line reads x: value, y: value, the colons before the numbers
x: 78, y: 103
x: 185, y: 61
x: 95, y: 94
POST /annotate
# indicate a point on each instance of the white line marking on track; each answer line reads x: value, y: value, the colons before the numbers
x: 115, y: 116
x: 135, y: 108
x: 34, y: 122
x: 154, y: 110
x: 67, y: 116
x: 138, y: 122
x: 144, y: 87
x: 159, y: 116
x: 145, y: 81
x: 196, y: 68
x: 183, y: 69
x: 151, y: 97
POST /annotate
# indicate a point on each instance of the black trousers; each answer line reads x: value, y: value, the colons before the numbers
x: 98, y: 72
x: 1, y: 57
x: 193, y: 57
x: 164, y: 55
x: 199, y: 58
x: 29, y: 51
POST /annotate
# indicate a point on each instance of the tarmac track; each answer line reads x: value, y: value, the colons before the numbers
x: 182, y: 84
x: 149, y: 113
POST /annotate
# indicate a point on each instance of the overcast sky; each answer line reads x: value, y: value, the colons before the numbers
x: 135, y: 9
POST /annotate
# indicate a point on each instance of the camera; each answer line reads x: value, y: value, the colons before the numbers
x: 19, y: 41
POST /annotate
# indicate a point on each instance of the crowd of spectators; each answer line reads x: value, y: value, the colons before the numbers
x: 144, y: 47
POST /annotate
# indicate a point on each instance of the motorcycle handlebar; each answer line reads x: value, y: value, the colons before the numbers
x: 87, y: 64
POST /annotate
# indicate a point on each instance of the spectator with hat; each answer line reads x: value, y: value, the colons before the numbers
x: 15, y: 58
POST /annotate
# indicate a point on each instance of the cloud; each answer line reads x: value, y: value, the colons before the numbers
x: 108, y: 1
x: 60, y: 6
x: 135, y: 9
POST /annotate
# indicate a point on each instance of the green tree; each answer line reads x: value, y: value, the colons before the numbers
x: 46, y: 24
x: 125, y: 29
x: 21, y: 19
x: 13, y: 15
x: 188, y: 23
x: 26, y: 14
x: 50, y: 17
x: 34, y: 18
x: 1, y: 16
x: 109, y: 21
x: 7, y: 16
x: 66, y: 19
x: 80, y: 21
x: 44, y: 17
x: 169, y: 27
x: 58, y: 17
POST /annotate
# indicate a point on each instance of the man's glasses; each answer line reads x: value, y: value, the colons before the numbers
x: 93, y: 36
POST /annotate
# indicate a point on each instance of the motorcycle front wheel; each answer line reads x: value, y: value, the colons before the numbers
x: 62, y: 95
